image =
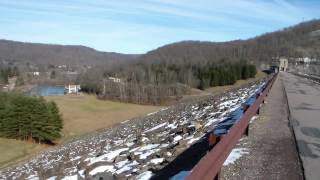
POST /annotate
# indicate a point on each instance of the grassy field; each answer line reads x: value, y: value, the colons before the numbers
x: 81, y: 115
x: 220, y: 89
x: 13, y: 151
x: 85, y: 113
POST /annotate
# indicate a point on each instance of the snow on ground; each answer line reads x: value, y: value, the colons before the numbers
x: 145, y: 176
x: 156, y: 127
x: 133, y: 147
x: 157, y: 160
x: 101, y: 169
x: 234, y: 155
x: 253, y: 119
x: 74, y: 177
x: 193, y: 140
x: 107, y: 157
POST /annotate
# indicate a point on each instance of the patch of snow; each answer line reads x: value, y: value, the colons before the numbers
x: 149, y: 114
x: 81, y: 173
x: 74, y: 177
x: 127, y: 167
x: 164, y: 145
x: 144, y: 176
x: 148, y: 153
x: 75, y: 158
x: 101, y: 169
x: 52, y: 178
x: 148, y: 147
x: 253, y: 119
x: 144, y: 139
x: 123, y: 169
x: 172, y: 126
x: 169, y: 154
x: 121, y: 163
x: 109, y: 156
x: 33, y: 177
x: 177, y: 138
x: 193, y: 140
x: 129, y: 144
x: 163, y: 109
x: 157, y: 160
x: 134, y: 149
x: 156, y: 127
x: 123, y: 122
x: 213, y: 120
x: 234, y: 155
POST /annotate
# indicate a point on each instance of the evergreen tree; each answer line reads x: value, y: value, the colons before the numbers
x: 32, y: 118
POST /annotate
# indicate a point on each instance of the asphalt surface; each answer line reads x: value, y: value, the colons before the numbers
x: 304, y: 105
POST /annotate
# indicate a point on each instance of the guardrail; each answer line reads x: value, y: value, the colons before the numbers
x: 210, y: 165
x: 313, y: 77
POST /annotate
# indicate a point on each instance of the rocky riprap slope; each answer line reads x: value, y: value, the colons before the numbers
x: 136, y: 148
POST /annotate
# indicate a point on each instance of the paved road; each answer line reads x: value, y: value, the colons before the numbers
x: 304, y: 104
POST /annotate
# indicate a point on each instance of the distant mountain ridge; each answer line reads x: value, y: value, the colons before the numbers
x: 37, y: 53
x: 297, y: 41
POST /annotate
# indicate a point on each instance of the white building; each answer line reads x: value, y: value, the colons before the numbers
x: 72, y: 89
x: 283, y: 64
x: 114, y: 79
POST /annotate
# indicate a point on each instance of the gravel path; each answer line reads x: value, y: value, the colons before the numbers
x: 269, y: 151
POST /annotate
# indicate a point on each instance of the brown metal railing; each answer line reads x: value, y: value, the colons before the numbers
x: 210, y: 165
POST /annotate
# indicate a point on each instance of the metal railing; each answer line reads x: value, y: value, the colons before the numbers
x: 210, y: 165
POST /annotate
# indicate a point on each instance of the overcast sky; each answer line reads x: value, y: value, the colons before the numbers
x: 137, y: 26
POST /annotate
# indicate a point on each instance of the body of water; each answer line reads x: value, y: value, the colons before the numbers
x: 47, y: 91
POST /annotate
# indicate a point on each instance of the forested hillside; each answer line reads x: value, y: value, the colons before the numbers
x: 204, y: 64
x: 298, y: 41
x: 45, y: 54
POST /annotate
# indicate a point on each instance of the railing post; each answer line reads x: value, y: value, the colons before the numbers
x: 247, y: 131
x: 245, y: 107
x: 213, y: 140
x: 217, y: 176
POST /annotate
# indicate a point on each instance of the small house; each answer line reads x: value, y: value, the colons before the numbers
x: 114, y: 79
x: 72, y: 89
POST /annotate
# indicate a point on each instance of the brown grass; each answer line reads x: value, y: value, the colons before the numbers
x: 12, y: 151
x: 81, y: 114
x: 85, y: 113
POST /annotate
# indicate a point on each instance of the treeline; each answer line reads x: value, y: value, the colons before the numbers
x: 7, y: 72
x: 196, y: 75
x: 29, y: 118
x: 134, y: 92
x: 227, y: 74
x: 156, y: 83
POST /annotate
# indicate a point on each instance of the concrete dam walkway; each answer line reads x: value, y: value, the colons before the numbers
x: 304, y: 106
